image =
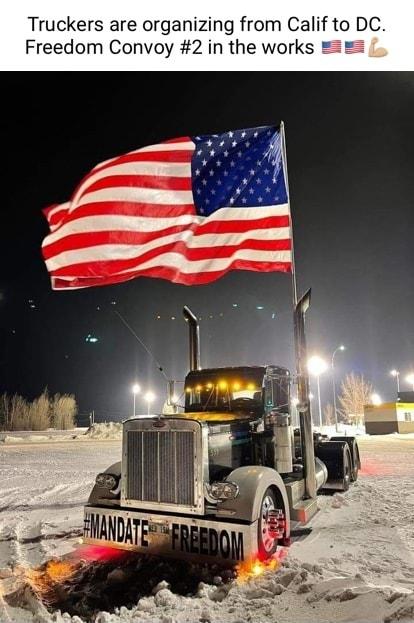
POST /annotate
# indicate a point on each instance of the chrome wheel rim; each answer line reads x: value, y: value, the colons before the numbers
x: 268, y: 539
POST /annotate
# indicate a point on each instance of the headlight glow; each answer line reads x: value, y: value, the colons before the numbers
x: 224, y: 490
x: 106, y: 481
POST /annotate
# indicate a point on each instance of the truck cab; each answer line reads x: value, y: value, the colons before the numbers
x: 236, y: 403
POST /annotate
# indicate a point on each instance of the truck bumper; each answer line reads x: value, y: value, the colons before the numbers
x: 169, y: 535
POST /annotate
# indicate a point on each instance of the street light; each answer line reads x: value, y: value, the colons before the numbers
x: 396, y: 375
x: 341, y: 347
x: 410, y: 379
x: 316, y: 367
x: 149, y: 398
x: 136, y: 389
x: 376, y: 400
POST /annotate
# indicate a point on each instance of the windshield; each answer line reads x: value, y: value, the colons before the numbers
x: 219, y: 392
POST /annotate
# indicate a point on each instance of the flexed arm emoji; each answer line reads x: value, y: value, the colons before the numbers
x: 376, y: 52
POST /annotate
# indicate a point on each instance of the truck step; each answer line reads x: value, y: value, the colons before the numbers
x: 304, y: 510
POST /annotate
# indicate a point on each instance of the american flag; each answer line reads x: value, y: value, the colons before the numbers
x: 187, y: 210
x: 353, y: 47
x: 331, y: 47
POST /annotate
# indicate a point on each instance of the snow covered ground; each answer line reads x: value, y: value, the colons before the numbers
x: 356, y: 565
x: 104, y: 430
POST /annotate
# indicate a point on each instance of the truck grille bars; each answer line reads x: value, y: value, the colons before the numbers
x: 160, y: 466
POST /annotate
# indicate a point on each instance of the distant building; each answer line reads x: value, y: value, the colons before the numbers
x: 406, y: 396
x: 389, y: 417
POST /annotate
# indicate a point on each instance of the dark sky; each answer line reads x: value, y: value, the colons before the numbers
x: 350, y: 140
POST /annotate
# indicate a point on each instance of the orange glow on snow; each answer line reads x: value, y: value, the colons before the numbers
x: 59, y: 570
x: 44, y: 579
x: 255, y: 568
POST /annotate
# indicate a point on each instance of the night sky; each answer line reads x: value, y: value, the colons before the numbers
x: 350, y: 141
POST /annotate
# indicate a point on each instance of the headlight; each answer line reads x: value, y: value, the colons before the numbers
x: 106, y: 481
x: 224, y: 490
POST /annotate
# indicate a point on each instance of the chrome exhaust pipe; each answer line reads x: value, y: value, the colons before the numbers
x: 304, y: 409
x: 194, y: 341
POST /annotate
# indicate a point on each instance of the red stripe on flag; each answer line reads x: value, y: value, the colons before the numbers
x: 110, y: 267
x: 127, y: 208
x: 171, y: 274
x: 87, y: 239
x: 54, y: 215
x: 182, y: 139
x: 49, y: 208
x: 139, y: 181
x: 224, y: 227
x: 82, y: 241
x: 181, y: 155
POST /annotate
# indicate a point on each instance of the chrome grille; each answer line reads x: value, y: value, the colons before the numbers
x: 160, y: 466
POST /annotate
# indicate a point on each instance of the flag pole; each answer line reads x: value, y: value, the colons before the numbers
x: 285, y: 173
x: 302, y: 378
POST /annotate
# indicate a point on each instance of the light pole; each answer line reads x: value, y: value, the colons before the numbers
x: 316, y: 367
x: 149, y: 398
x: 410, y: 379
x: 136, y: 389
x: 341, y: 347
x: 396, y: 375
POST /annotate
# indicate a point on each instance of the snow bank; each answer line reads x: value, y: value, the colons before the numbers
x: 102, y: 431
x: 11, y: 439
x: 106, y: 430
x: 347, y: 430
x: 297, y: 592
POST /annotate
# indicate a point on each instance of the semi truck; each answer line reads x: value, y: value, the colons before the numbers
x: 227, y: 478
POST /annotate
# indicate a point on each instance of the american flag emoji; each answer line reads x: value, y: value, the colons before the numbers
x: 331, y: 47
x: 353, y: 47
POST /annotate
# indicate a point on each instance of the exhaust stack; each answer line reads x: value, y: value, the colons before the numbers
x: 306, y: 432
x: 194, y: 335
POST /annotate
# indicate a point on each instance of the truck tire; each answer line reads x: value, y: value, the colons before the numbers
x: 271, y: 524
x: 353, y: 448
x: 347, y: 471
x: 355, y: 460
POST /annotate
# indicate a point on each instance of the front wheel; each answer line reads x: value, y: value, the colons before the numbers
x: 271, y: 524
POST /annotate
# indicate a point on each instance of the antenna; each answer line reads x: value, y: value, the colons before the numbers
x: 147, y: 350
